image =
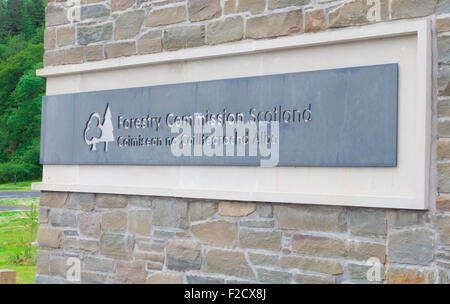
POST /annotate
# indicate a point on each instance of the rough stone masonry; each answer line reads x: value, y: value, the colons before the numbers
x: 136, y: 239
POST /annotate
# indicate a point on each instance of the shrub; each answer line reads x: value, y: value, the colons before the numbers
x: 22, y: 172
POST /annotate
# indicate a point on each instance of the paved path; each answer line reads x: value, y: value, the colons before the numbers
x: 18, y: 194
x: 12, y: 208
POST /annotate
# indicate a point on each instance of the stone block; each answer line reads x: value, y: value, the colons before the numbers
x: 111, y: 200
x: 50, y: 39
x: 276, y: 4
x: 274, y: 25
x: 170, y: 212
x: 264, y: 210
x: 94, y: 11
x: 319, y: 246
x: 263, y: 259
x: 183, y: 255
x: 315, y: 21
x: 164, y: 16
x: 53, y: 199
x: 63, y: 218
x: 229, y: 263
x: 444, y: 177
x: 314, y: 279
x: 121, y: 5
x: 92, y: 34
x: 94, y: 53
x: 409, y: 276
x: 139, y: 200
x: 42, y: 262
x: 7, y: 276
x: 312, y: 264
x: 443, y: 203
x: 257, y: 224
x: 236, y: 209
x: 405, y: 218
x: 88, y: 277
x: 155, y: 247
x: 199, y: 211
x: 65, y: 56
x: 229, y: 7
x: 204, y: 9
x: 204, y: 280
x: 150, y: 42
x: 363, y: 251
x: 443, y: 225
x: 49, y: 237
x: 116, y: 245
x: 444, y: 108
x: 44, y: 213
x: 128, y: 25
x: 356, y: 12
x: 368, y: 222
x: 81, y: 201
x: 81, y: 245
x: 165, y: 278
x: 44, y: 279
x: 90, y: 224
x: 218, y: 233
x: 114, y: 221
x: 226, y: 30
x: 253, y: 6
x: 184, y: 37
x: 55, y: 15
x: 443, y: 7
x: 130, y: 272
x: 150, y: 256
x: 412, y: 8
x: 360, y: 272
x: 274, y: 276
x: 266, y: 240
x: 443, y: 44
x: 443, y: 25
x: 415, y: 246
x: 444, y: 81
x: 139, y: 222
x: 312, y: 218
x: 65, y: 36
x: 98, y: 264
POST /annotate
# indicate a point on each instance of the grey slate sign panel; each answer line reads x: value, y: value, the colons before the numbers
x: 341, y: 117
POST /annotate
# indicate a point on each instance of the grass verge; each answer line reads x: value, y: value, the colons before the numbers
x: 19, y: 186
x: 20, y: 202
x: 12, y: 236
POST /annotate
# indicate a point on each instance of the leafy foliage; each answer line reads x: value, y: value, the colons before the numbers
x: 30, y: 226
x: 21, y: 51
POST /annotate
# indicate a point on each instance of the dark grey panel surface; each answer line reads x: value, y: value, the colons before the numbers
x: 353, y: 118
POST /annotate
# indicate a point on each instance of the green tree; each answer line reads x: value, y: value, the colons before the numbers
x: 37, y: 12
x: 23, y: 123
x: 21, y: 51
x: 15, y: 14
x: 4, y: 20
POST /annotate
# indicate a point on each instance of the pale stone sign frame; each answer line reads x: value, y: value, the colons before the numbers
x: 371, y: 187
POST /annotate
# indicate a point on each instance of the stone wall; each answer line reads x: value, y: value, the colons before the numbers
x: 127, y: 239
x: 115, y: 28
x: 137, y: 239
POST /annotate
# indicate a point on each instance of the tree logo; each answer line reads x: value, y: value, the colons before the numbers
x: 97, y: 132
